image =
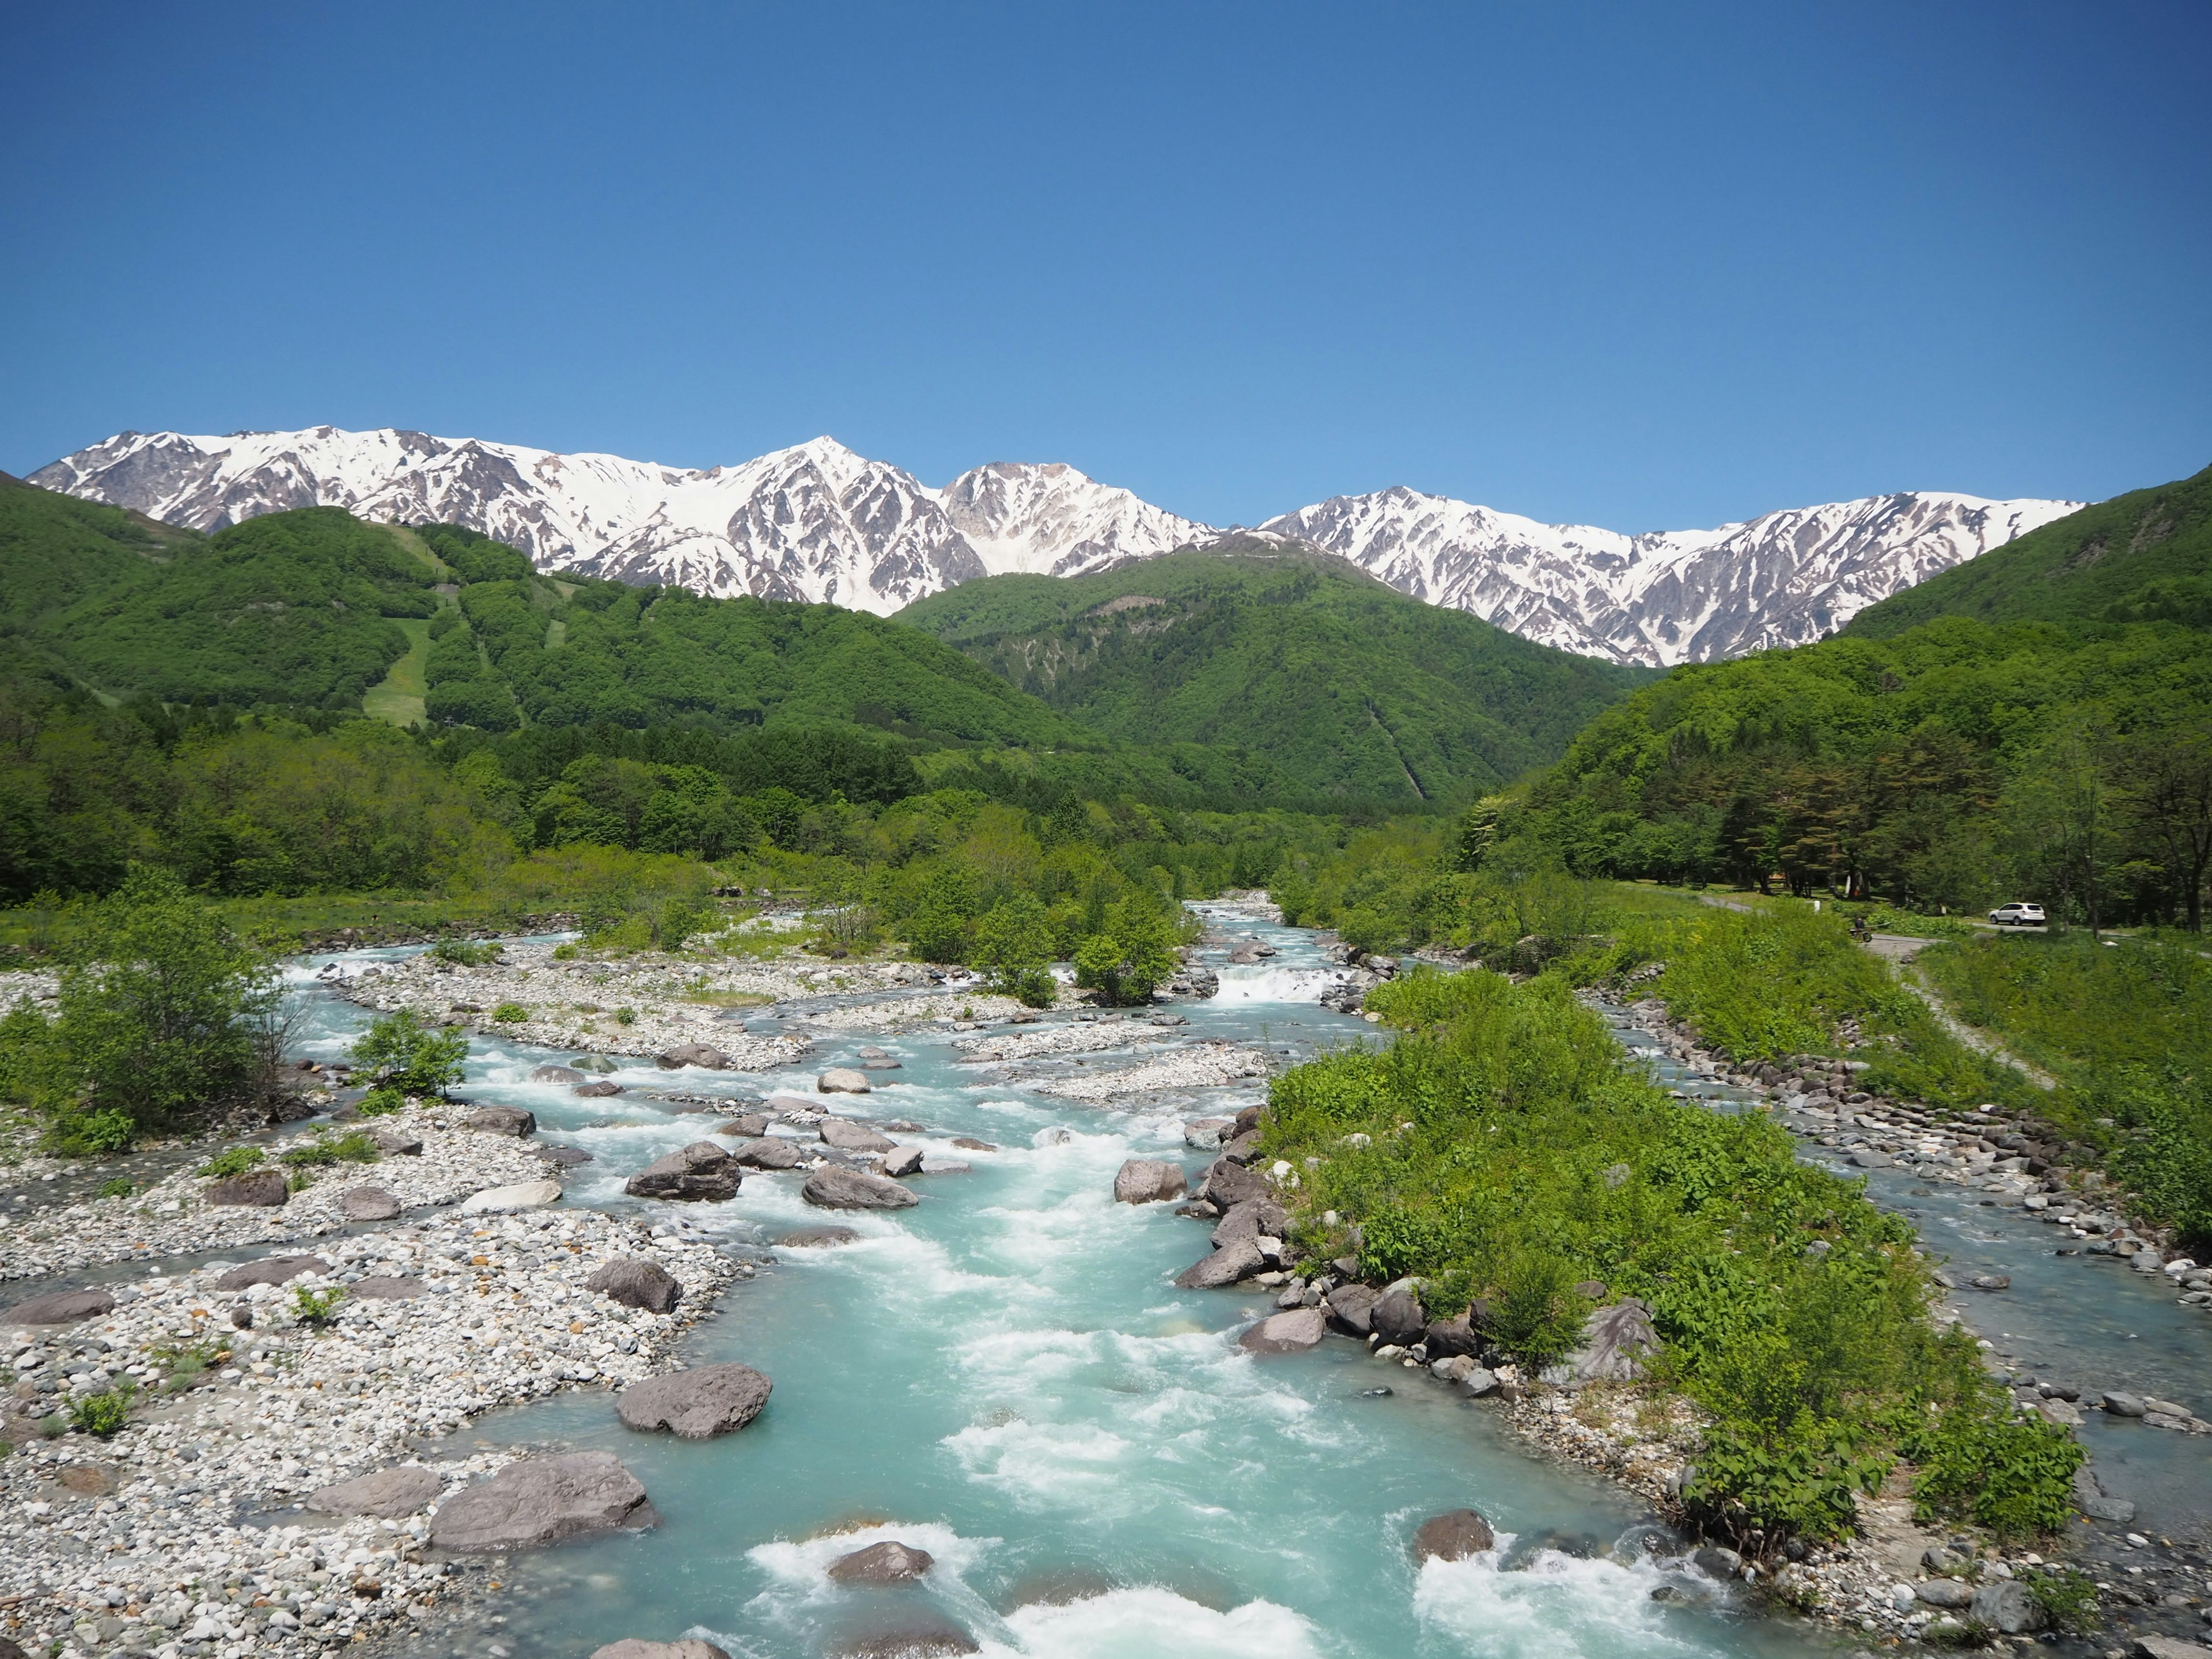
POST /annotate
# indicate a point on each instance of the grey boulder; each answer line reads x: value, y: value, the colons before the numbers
x: 385, y: 1287
x: 1148, y: 1181
x: 636, y: 1283
x: 849, y: 1137
x: 1286, y: 1333
x: 695, y: 1404
x: 1253, y: 1219
x: 544, y: 1500
x: 903, y: 1161
x: 62, y: 1308
x: 818, y: 1238
x: 1397, y: 1316
x: 2124, y: 1405
x: 887, y: 1562
x: 1351, y: 1307
x: 768, y: 1152
x: 367, y: 1204
x: 751, y: 1125
x: 270, y: 1270
x: 1947, y: 1593
x: 1229, y: 1184
x: 854, y: 1189
x: 701, y: 1172
x: 260, y: 1189
x: 1226, y: 1266
x: 2006, y: 1607
x: 1453, y: 1536
x: 692, y: 1053
x: 1446, y: 1339
x: 843, y: 1080
x: 596, y: 1090
x: 1616, y: 1342
x: 557, y: 1074
x: 389, y: 1494
x: 502, y: 1120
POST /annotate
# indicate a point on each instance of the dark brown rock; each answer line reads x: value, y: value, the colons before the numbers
x: 695, y: 1404
x: 596, y: 1090
x: 636, y: 1283
x: 751, y: 1125
x: 544, y: 1500
x: 62, y: 1308
x: 1229, y: 1184
x: 367, y: 1204
x: 271, y: 1270
x: 389, y: 1494
x: 815, y: 1238
x: 769, y: 1153
x: 887, y: 1563
x: 260, y: 1189
x: 851, y: 1189
x: 1397, y: 1317
x: 1453, y: 1536
x: 1446, y: 1339
x: 702, y: 1171
x: 502, y: 1120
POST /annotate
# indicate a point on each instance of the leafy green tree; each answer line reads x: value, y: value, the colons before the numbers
x: 1132, y: 952
x: 419, y: 1058
x: 153, y: 1019
x: 1013, y: 945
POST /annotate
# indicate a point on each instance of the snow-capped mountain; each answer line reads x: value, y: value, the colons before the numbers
x: 818, y: 522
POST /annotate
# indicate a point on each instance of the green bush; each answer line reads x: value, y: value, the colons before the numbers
x: 381, y: 1101
x: 1761, y: 1488
x: 1133, y: 953
x: 353, y: 1147
x: 2067, y: 1596
x: 120, y: 1186
x: 1538, y: 1318
x: 317, y: 1307
x: 625, y: 1015
x: 418, y: 1059
x: 1980, y: 1462
x: 236, y: 1161
x: 510, y: 1013
x: 466, y: 954
x: 104, y: 1414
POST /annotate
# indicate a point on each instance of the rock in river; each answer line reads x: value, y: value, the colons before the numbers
x: 1286, y: 1333
x: 557, y: 1074
x: 631, y: 1647
x: 262, y: 1189
x: 390, y: 1494
x: 636, y: 1283
x: 1229, y: 1184
x: 843, y: 1080
x: 1453, y: 1536
x: 701, y: 1170
x: 1148, y: 1181
x: 596, y: 1090
x: 851, y: 1189
x: 817, y: 1238
x: 544, y: 1500
x: 693, y: 1053
x: 768, y: 1152
x: 1226, y: 1266
x: 849, y: 1137
x: 887, y: 1562
x: 503, y: 1121
x: 62, y: 1308
x: 695, y: 1404
x: 367, y: 1204
x: 270, y: 1270
x: 904, y: 1161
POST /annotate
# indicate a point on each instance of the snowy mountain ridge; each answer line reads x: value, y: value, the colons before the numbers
x: 818, y: 522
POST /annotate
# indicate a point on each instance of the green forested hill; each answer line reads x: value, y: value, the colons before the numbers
x: 1348, y: 687
x: 2143, y: 557
x: 2044, y: 733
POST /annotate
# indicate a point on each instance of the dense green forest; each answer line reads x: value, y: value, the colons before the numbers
x: 2053, y: 743
x: 1351, y: 688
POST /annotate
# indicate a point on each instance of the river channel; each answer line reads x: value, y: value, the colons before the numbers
x: 1005, y: 1377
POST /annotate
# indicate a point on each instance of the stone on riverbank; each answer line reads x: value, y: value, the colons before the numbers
x: 367, y: 1204
x: 1453, y: 1338
x: 1293, y: 1332
x: 853, y: 1189
x: 521, y: 1196
x: 695, y: 1404
x: 1616, y: 1341
x: 1229, y: 1183
x: 2124, y: 1405
x: 703, y: 1055
x: 261, y: 1189
x: 503, y: 1121
x: 636, y: 1283
x: 2005, y: 1608
x: 631, y: 1647
x: 1148, y: 1181
x: 849, y: 1137
x: 62, y: 1308
x: 1453, y: 1536
x: 385, y: 1287
x: 1351, y: 1307
x: 390, y: 1494
x: 1397, y: 1316
x: 887, y: 1562
x: 1226, y: 1266
x: 1946, y: 1593
x: 702, y: 1172
x: 768, y: 1154
x: 270, y: 1270
x: 544, y: 1500
x: 843, y: 1080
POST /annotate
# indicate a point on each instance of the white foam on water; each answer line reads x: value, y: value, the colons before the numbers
x: 1273, y: 984
x: 804, y: 1564
x: 1559, y: 1605
x: 1052, y: 1466
x: 1147, y: 1622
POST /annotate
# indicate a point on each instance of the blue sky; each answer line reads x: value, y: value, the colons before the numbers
x: 1642, y: 266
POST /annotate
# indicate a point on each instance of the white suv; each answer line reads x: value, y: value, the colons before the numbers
x: 2018, y: 915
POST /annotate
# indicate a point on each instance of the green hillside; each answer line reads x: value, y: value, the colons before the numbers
x: 1350, y: 687
x: 2143, y: 557
x: 2045, y: 732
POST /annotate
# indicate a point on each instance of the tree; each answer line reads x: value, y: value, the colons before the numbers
x: 2170, y: 789
x: 418, y: 1059
x: 155, y: 1020
x: 1132, y: 952
x: 1013, y: 945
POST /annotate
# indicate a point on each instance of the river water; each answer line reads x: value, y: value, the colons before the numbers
x: 1005, y: 1377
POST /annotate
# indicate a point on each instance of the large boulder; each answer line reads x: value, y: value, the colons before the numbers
x: 1616, y: 1342
x: 1397, y: 1316
x: 904, y: 1161
x: 853, y: 1190
x: 631, y: 1647
x: 502, y: 1120
x: 695, y: 1404
x: 261, y: 1189
x: 1229, y: 1184
x: 385, y: 1287
x: 636, y: 1283
x: 61, y: 1307
x: 692, y: 1053
x: 557, y: 1074
x: 1453, y: 1338
x: 749, y: 1125
x: 849, y: 1137
x: 518, y: 1195
x: 1148, y: 1181
x: 2006, y: 1607
x: 843, y: 1080
x: 270, y: 1270
x: 1254, y: 1218
x: 768, y: 1152
x: 544, y: 1500
x: 1293, y: 1332
x: 367, y: 1204
x: 390, y: 1494
x: 1351, y: 1307
x: 887, y: 1562
x: 701, y: 1172
x: 597, y: 1091
x: 1226, y: 1266
x: 397, y: 1143
x: 1453, y: 1536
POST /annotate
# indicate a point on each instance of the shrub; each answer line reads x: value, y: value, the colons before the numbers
x: 418, y: 1059
x: 1538, y: 1318
x: 317, y: 1307
x: 382, y: 1101
x: 121, y: 1187
x: 466, y: 954
x: 566, y: 952
x: 1131, y: 952
x: 237, y: 1161
x: 104, y: 1414
x: 2067, y: 1596
x: 1977, y: 1462
x: 510, y: 1013
x: 352, y: 1147
x: 625, y: 1015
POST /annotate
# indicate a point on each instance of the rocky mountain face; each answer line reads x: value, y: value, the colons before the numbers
x: 818, y: 522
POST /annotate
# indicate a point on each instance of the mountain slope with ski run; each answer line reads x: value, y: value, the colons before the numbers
x: 818, y: 522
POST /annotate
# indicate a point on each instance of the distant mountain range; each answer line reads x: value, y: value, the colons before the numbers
x: 818, y: 522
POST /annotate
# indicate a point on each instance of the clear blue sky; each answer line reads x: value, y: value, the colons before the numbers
x: 1638, y: 265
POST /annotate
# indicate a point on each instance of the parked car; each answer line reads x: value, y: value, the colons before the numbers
x: 2018, y: 915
